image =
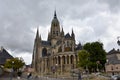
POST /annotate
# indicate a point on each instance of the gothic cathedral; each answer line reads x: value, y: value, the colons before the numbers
x: 58, y: 53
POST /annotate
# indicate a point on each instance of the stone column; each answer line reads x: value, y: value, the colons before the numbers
x: 61, y: 64
x: 63, y: 48
x: 74, y: 61
x: 65, y: 59
x: 51, y: 61
x: 56, y: 60
x: 39, y: 66
x: 42, y: 66
x: 45, y: 65
x: 69, y: 59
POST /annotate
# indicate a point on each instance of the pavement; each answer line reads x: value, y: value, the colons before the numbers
x: 24, y: 77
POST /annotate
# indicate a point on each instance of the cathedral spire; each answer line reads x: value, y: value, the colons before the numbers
x: 49, y: 36
x: 72, y: 31
x: 62, y: 32
x: 62, y: 29
x: 37, y: 34
x: 40, y: 37
x: 55, y: 15
x: 72, y: 34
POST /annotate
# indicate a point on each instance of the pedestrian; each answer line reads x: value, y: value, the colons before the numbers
x: 29, y: 75
x: 19, y: 73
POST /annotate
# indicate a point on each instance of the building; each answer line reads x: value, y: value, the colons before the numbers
x: 113, y: 62
x: 4, y: 55
x: 58, y: 53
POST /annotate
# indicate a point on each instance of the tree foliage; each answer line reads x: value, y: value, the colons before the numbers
x: 97, y: 55
x: 83, y: 56
x: 15, y: 63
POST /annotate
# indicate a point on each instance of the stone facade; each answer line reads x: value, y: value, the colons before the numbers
x: 58, y: 53
x: 113, y: 62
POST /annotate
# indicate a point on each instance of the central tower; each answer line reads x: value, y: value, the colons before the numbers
x: 55, y: 28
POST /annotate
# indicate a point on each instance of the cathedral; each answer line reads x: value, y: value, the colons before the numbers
x: 58, y: 54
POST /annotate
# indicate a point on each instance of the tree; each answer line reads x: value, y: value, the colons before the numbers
x: 97, y: 55
x: 15, y: 63
x: 83, y: 56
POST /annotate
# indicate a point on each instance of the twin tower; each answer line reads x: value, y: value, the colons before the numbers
x: 58, y: 53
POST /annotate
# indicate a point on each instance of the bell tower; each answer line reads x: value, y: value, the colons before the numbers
x: 55, y: 27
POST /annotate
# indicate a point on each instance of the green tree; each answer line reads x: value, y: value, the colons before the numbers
x: 83, y: 56
x: 97, y: 55
x: 15, y: 63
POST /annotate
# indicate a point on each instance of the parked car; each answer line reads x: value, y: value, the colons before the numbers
x: 115, y: 77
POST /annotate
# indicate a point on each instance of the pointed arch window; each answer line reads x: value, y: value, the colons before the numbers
x: 57, y: 33
x: 67, y: 43
x: 54, y: 25
x: 53, y: 32
x: 44, y: 52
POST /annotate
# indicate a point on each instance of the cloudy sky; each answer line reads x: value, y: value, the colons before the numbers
x: 91, y: 20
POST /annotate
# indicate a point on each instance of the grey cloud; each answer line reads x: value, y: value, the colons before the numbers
x: 114, y: 5
x: 18, y: 18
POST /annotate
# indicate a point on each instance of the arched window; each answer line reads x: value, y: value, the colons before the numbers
x: 67, y: 59
x: 111, y: 67
x: 59, y: 60
x: 53, y: 32
x: 60, y: 49
x: 44, y: 52
x: 67, y: 43
x: 71, y: 59
x: 63, y: 58
x: 57, y: 33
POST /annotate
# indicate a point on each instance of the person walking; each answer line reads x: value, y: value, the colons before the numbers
x: 29, y: 75
x: 19, y: 73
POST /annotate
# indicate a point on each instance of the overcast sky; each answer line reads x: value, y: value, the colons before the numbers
x: 91, y: 20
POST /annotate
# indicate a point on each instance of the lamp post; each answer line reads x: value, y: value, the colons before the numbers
x: 118, y: 42
x: 12, y: 71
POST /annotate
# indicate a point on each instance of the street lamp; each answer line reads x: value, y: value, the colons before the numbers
x: 118, y: 42
x: 12, y: 70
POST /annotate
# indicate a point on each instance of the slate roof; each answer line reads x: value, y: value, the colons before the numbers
x: 4, y: 55
x: 113, y: 51
x: 67, y: 36
x: 79, y: 47
x: 113, y: 59
x: 46, y: 43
